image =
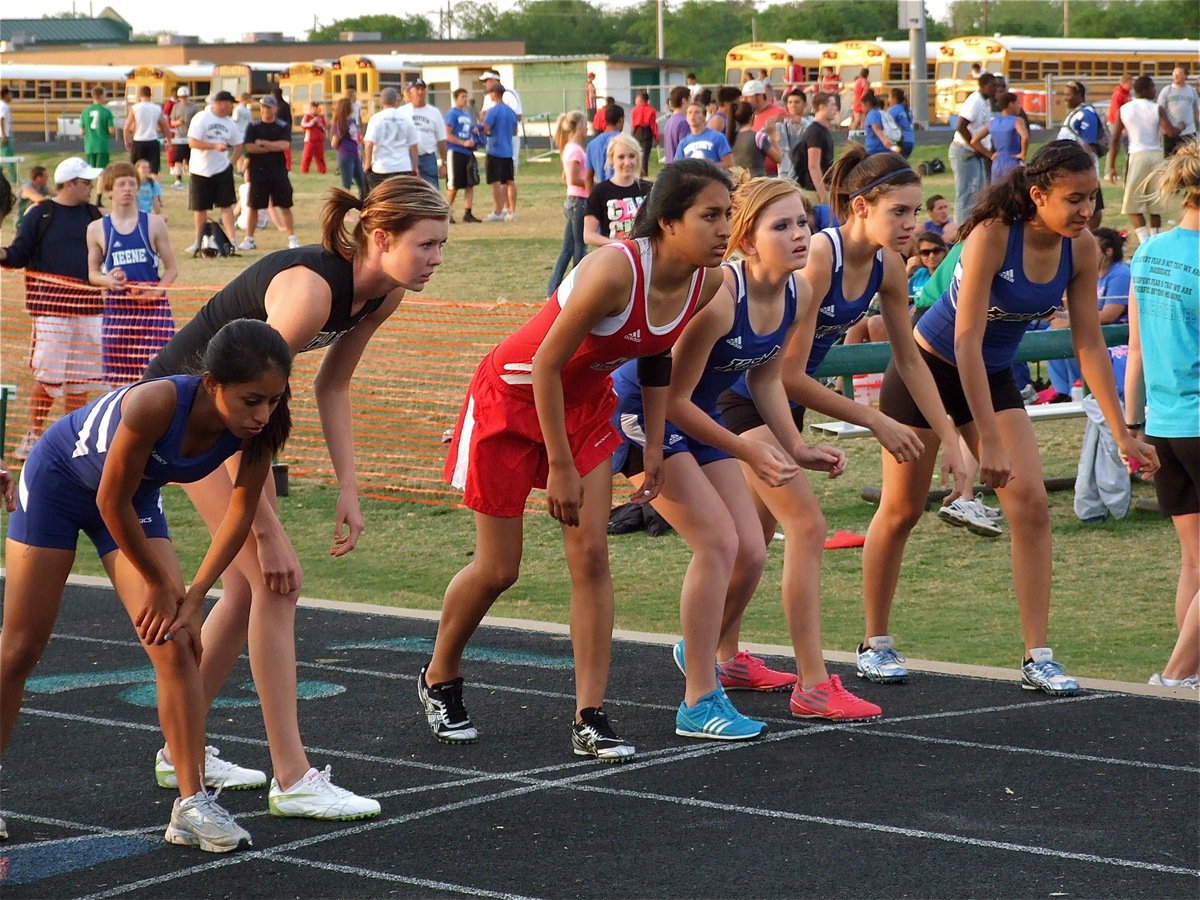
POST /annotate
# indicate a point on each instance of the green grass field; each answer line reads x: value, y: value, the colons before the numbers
x: 1113, y: 587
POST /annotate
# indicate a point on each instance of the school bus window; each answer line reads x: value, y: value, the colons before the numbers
x: 776, y: 76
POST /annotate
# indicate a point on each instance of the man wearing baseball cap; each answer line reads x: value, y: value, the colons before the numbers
x: 265, y: 145
x: 179, y: 153
x: 511, y: 100
x: 52, y: 239
x: 216, y: 143
x: 1083, y: 124
x: 431, y: 131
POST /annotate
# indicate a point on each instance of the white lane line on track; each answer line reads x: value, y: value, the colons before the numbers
x: 396, y: 879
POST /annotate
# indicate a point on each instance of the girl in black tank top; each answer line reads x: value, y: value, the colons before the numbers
x: 332, y: 296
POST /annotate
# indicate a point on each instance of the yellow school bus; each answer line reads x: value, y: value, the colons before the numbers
x: 256, y: 79
x: 165, y: 81
x: 789, y: 62
x: 1028, y: 64
x: 369, y: 74
x: 41, y: 94
x: 305, y: 83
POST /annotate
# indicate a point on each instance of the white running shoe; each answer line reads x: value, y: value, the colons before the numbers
x: 494, y: 217
x: 316, y: 797
x: 200, y: 822
x: 992, y: 512
x: 964, y: 514
x: 218, y: 773
x: 1188, y: 681
x: 293, y: 242
x: 192, y: 247
x: 248, y: 243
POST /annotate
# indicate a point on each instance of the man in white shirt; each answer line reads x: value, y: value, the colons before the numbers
x: 144, y: 125
x: 431, y: 132
x: 1180, y: 101
x: 390, y: 143
x: 216, y: 143
x: 970, y: 169
x: 513, y: 101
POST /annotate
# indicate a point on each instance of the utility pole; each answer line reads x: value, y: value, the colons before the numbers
x: 911, y: 16
x: 985, y: 16
x: 449, y: 21
x: 1066, y: 18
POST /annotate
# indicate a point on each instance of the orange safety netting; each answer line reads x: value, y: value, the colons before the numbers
x: 406, y: 392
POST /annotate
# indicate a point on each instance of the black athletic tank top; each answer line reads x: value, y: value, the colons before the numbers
x: 245, y: 298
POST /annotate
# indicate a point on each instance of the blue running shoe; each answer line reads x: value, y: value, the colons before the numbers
x: 1042, y: 673
x: 677, y: 655
x: 714, y: 718
x: 879, y: 662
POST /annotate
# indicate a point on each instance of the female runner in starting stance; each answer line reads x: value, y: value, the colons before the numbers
x: 538, y: 413
x: 1026, y: 244
x: 706, y: 498
x: 334, y: 295
x: 99, y: 470
x: 877, y: 196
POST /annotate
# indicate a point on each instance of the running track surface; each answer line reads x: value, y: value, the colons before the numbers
x: 968, y: 787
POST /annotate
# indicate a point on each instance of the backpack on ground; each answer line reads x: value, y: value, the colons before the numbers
x: 214, y: 242
x: 891, y: 129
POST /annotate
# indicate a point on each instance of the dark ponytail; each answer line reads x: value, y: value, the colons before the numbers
x: 675, y: 190
x: 858, y: 173
x: 1008, y: 199
x: 239, y: 353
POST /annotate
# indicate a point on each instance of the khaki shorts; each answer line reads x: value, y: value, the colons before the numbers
x: 1141, y: 186
x: 66, y: 354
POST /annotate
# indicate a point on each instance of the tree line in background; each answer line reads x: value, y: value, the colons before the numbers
x: 703, y: 30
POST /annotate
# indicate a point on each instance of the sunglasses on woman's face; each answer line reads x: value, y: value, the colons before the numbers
x: 930, y: 251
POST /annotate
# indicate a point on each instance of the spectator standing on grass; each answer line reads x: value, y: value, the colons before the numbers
x: 130, y: 255
x: 570, y: 132
x: 676, y: 127
x: 1082, y: 124
x: 462, y: 173
x: 344, y: 138
x: 812, y: 157
x: 589, y: 97
x: 96, y: 121
x: 612, y: 205
x: 789, y: 129
x: 216, y: 143
x: 65, y: 350
x: 179, y: 152
x: 145, y: 124
x: 283, y: 115
x: 1182, y: 106
x: 333, y: 296
x: 1009, y: 138
x: 1025, y: 244
x: 390, y: 143
x: 149, y: 193
x: 876, y: 140
x: 644, y: 122
x: 1143, y: 121
x: 265, y: 144
x: 6, y: 130
x: 752, y: 148
x: 243, y: 112
x: 500, y: 126
x: 1121, y: 95
x: 431, y: 132
x: 969, y: 167
x: 703, y: 142
x: 767, y: 114
x: 538, y: 414
x: 52, y: 239
x: 315, y: 127
x: 512, y: 100
x: 597, y: 148
x: 1161, y: 397
x: 858, y: 111
x: 902, y: 116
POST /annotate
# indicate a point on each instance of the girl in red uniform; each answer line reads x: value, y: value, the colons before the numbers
x: 538, y: 414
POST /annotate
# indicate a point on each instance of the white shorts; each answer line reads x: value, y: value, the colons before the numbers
x: 66, y: 354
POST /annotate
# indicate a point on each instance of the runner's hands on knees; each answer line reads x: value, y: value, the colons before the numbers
x: 652, y: 479
x: 564, y: 493
x: 158, y: 614
x: 348, y: 515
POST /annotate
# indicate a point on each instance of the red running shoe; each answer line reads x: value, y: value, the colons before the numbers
x: 749, y: 673
x: 829, y: 700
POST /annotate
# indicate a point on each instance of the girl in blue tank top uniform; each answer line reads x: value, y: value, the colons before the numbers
x: 705, y: 497
x: 99, y: 470
x: 877, y: 196
x: 1028, y: 244
x: 126, y: 250
x: 1162, y: 390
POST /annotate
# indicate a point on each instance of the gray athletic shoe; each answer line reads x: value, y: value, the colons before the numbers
x: 199, y: 821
